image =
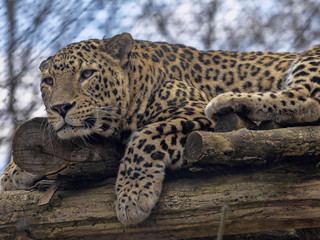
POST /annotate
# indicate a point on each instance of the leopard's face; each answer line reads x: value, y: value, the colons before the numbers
x: 84, y: 89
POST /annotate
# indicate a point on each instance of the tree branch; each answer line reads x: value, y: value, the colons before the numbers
x: 251, y: 146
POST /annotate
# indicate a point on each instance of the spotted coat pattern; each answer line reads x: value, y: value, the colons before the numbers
x: 152, y: 95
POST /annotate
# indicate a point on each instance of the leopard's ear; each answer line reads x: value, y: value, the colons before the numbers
x: 44, y: 64
x: 119, y: 47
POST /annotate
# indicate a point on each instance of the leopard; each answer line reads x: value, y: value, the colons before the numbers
x: 152, y: 95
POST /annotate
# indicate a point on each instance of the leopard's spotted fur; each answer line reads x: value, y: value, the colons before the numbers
x: 152, y: 95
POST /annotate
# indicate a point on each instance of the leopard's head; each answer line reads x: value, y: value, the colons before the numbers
x: 85, y: 87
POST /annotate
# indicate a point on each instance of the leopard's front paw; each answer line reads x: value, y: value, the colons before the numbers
x: 136, y: 195
x: 133, y: 208
x: 225, y: 103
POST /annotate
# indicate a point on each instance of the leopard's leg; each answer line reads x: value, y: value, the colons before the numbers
x: 299, y: 102
x: 142, y: 168
x: 14, y: 178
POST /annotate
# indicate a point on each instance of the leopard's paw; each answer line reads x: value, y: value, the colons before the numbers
x: 14, y: 178
x: 133, y: 209
x: 136, y: 198
x: 225, y: 103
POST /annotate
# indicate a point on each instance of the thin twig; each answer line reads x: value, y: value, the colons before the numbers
x: 224, y: 210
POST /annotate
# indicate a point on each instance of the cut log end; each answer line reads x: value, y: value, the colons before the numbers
x: 37, y: 150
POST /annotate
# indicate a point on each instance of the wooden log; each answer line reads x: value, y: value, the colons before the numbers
x: 251, y: 146
x: 277, y: 198
x: 37, y: 150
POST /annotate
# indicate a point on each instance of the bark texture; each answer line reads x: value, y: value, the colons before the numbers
x: 259, y: 200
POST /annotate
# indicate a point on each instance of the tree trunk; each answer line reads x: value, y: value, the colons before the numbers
x: 260, y: 200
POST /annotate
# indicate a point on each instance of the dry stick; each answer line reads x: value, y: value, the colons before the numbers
x: 251, y: 146
x: 222, y: 224
x: 48, y: 195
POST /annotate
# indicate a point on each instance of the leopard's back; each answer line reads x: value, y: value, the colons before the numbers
x: 216, y: 72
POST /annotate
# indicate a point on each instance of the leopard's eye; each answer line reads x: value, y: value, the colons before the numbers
x: 48, y: 81
x: 86, y: 74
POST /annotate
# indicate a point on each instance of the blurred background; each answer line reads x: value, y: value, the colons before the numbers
x: 33, y: 30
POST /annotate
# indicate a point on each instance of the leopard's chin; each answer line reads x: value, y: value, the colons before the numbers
x: 69, y: 132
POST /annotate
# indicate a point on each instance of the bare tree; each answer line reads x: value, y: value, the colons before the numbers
x: 244, y: 25
x: 32, y: 31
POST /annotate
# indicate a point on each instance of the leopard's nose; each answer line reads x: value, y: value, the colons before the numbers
x: 62, y: 109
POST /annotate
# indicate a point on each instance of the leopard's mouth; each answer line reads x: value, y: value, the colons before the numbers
x: 68, y: 125
x: 68, y: 131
